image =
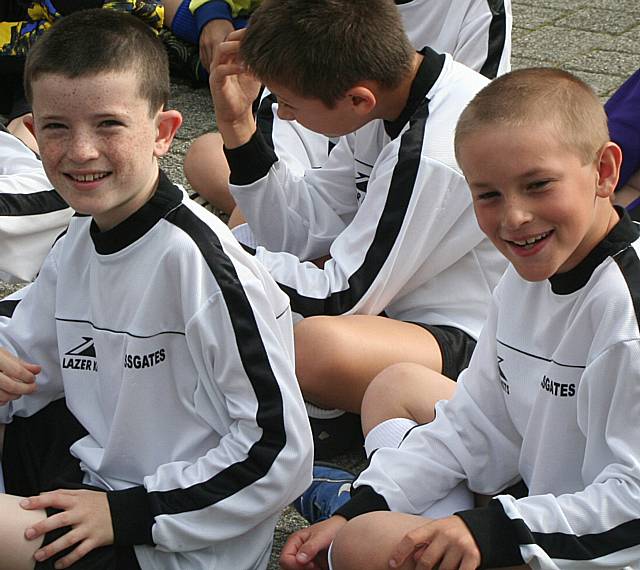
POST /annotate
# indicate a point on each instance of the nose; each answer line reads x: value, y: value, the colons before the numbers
x: 516, y: 214
x: 82, y: 147
x: 285, y: 113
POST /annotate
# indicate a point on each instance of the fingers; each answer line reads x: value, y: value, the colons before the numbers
x: 64, y: 542
x: 17, y: 377
x: 85, y: 511
x: 406, y: 548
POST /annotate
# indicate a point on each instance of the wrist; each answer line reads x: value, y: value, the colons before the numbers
x: 237, y: 133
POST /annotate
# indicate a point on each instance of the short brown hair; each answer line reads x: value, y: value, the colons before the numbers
x: 540, y: 95
x: 321, y: 48
x: 96, y: 41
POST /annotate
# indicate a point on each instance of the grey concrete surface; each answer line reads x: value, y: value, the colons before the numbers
x: 599, y: 40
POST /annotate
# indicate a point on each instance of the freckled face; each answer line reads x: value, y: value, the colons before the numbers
x: 534, y: 199
x: 97, y: 142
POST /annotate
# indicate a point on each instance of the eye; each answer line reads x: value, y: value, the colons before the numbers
x: 53, y: 126
x: 484, y: 196
x: 538, y: 185
x: 111, y: 123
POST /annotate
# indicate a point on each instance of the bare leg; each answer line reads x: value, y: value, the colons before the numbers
x: 236, y: 218
x: 337, y: 357
x: 170, y: 9
x: 416, y: 389
x: 16, y: 552
x: 352, y: 549
x: 206, y: 169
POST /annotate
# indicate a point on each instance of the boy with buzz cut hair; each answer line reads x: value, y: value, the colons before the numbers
x: 407, y: 259
x: 172, y: 347
x: 554, y: 381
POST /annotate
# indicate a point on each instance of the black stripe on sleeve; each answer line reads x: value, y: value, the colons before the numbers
x: 499, y: 538
x: 497, y: 38
x: 31, y: 204
x: 264, y: 118
x: 256, y: 363
x: 399, y: 195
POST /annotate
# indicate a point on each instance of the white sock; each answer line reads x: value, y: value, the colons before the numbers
x: 314, y: 411
x: 389, y: 433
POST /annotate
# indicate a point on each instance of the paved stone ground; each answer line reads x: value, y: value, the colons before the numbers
x: 599, y: 40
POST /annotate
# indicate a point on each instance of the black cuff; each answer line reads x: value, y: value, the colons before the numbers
x: 496, y: 535
x: 251, y: 161
x: 363, y: 500
x: 131, y: 516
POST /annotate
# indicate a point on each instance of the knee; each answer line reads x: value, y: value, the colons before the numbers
x: 319, y: 349
x: 351, y: 549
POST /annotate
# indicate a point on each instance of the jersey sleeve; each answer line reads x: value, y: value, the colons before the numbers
x: 416, y: 215
x: 287, y: 208
x: 484, y: 39
x: 472, y: 437
x: 595, y: 527
x: 238, y: 342
x: 28, y: 330
x: 32, y: 213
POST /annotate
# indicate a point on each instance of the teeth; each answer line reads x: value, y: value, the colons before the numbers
x: 531, y: 241
x: 88, y: 177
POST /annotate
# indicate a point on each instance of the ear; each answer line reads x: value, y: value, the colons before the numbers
x: 27, y: 121
x: 167, y: 125
x: 362, y: 99
x: 608, y: 169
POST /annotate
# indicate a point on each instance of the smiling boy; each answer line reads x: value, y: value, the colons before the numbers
x: 550, y: 390
x: 173, y: 348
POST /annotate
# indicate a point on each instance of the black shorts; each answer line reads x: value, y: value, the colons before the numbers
x: 456, y: 348
x: 36, y: 458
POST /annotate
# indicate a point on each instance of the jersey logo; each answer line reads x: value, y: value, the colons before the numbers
x: 138, y: 361
x: 558, y: 389
x: 504, y: 383
x: 362, y: 181
x: 81, y: 357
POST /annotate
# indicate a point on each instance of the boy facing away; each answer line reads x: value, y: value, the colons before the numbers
x: 390, y: 198
x: 172, y: 347
x: 553, y: 384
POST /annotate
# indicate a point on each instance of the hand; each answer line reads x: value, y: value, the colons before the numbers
x: 17, y: 377
x: 233, y: 90
x: 86, y: 512
x: 213, y: 34
x: 445, y: 544
x: 307, y: 548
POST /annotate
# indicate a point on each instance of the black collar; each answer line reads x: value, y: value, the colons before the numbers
x: 427, y: 74
x: 624, y: 233
x: 166, y: 197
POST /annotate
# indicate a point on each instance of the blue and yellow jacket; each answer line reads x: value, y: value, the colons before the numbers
x: 16, y: 37
x: 206, y: 10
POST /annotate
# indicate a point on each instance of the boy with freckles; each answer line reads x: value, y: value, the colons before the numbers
x: 185, y: 433
x: 553, y: 388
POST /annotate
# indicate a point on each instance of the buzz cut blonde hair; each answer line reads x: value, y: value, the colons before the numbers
x: 540, y: 96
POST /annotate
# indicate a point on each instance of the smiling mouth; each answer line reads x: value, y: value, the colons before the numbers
x: 88, y: 177
x: 530, y: 242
